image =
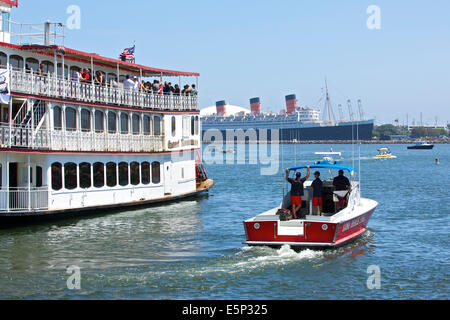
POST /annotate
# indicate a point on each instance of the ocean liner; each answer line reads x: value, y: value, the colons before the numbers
x: 295, y: 123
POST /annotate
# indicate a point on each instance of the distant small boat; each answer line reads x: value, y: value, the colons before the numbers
x: 385, y: 153
x: 328, y: 157
x: 220, y: 149
x: 421, y: 145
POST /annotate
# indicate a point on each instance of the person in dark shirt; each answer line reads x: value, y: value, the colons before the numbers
x: 296, y: 190
x: 341, y: 183
x: 317, y: 187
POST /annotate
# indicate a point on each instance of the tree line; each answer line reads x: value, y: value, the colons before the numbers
x: 385, y: 132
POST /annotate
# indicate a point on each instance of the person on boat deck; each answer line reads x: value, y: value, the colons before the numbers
x: 317, y: 187
x: 296, y: 190
x: 77, y: 75
x: 86, y: 75
x: 128, y: 84
x: 341, y: 183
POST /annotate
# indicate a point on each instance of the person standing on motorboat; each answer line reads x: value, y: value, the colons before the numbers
x: 317, y: 187
x: 342, y: 189
x: 297, y: 190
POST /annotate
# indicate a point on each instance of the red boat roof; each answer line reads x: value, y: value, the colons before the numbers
x: 98, y: 60
x: 14, y: 3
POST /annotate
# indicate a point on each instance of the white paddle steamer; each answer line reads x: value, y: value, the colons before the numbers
x: 68, y: 146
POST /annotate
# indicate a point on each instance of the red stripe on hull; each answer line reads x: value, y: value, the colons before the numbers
x: 353, y: 228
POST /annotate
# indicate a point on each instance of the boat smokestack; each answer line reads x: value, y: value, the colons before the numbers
x: 255, y: 106
x: 291, y: 103
x: 221, y: 108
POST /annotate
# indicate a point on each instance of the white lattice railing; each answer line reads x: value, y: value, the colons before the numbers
x: 22, y: 199
x: 50, y: 86
x: 44, y: 139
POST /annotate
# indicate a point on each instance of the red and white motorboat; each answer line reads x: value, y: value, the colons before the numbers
x: 332, y: 229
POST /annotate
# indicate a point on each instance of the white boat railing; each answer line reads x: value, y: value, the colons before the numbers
x: 55, y: 87
x: 58, y: 140
x: 22, y: 199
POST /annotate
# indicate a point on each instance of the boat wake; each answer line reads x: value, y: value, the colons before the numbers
x: 261, y: 256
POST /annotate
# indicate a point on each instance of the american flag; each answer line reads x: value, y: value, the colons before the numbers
x: 128, y: 54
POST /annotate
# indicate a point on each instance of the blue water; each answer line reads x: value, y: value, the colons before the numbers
x: 192, y: 249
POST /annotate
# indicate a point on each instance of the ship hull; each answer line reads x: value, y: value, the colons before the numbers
x: 430, y: 147
x: 27, y: 218
x: 340, y: 132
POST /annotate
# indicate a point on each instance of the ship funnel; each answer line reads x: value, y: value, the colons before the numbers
x: 221, y: 108
x: 291, y: 103
x: 255, y: 106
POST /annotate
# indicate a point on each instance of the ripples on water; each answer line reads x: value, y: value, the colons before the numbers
x: 192, y: 249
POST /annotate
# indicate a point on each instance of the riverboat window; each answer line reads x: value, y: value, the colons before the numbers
x: 16, y: 62
x: 47, y: 67
x: 5, y: 21
x: 57, y: 118
x: 193, y: 126
x: 147, y: 126
x: 112, y: 122
x: 111, y: 174
x: 186, y: 126
x: 135, y: 173
x: 3, y: 59
x: 56, y: 176
x: 156, y: 172
x: 124, y: 127
x: 136, y: 124
x: 38, y: 177
x: 157, y: 126
x: 123, y: 174
x: 70, y: 176
x: 145, y: 167
x: 85, y: 120
x: 85, y: 175
x: 197, y: 125
x: 66, y: 71
x: 99, y: 121
x: 71, y: 119
x: 99, y: 175
x: 174, y: 126
x: 32, y: 63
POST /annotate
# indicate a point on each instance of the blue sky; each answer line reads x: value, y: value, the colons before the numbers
x: 269, y: 49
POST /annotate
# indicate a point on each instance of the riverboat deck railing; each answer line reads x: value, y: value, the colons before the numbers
x: 58, y: 140
x: 23, y: 199
x: 56, y: 87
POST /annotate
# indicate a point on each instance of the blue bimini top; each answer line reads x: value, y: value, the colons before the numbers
x: 325, y: 166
